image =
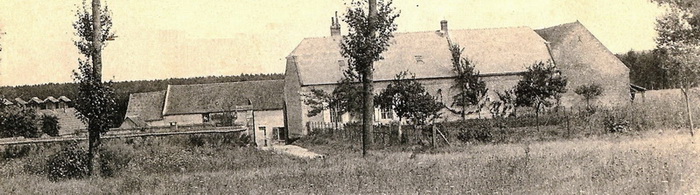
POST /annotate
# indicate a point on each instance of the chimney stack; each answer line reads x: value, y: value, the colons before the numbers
x: 335, y: 25
x: 443, y: 26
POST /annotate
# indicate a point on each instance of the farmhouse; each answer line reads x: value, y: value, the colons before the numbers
x: 256, y: 104
x: 501, y: 55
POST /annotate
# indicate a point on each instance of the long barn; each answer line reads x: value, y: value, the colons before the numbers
x: 501, y: 55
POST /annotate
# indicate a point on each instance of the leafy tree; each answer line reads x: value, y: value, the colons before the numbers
x: 679, y: 41
x: 368, y: 37
x: 471, y: 88
x: 409, y: 100
x: 342, y: 100
x: 95, y: 101
x: 504, y: 106
x: 18, y: 121
x: 589, y: 92
x: 541, y: 83
x: 646, y: 68
x: 50, y: 125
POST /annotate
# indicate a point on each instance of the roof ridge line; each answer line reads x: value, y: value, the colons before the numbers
x: 222, y: 83
x: 432, y: 31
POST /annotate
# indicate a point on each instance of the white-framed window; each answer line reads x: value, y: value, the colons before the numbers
x: 386, y: 113
x: 335, y: 116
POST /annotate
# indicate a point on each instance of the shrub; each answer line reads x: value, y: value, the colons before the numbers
x: 624, y: 119
x: 14, y: 151
x: 244, y: 140
x: 71, y: 162
x: 18, y: 121
x: 115, y: 158
x: 49, y: 125
x: 480, y: 134
x: 615, y: 122
x: 197, y: 140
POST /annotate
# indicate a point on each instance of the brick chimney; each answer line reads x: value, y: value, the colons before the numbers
x: 335, y: 25
x: 443, y: 26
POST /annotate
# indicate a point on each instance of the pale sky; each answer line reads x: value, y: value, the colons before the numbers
x: 176, y: 38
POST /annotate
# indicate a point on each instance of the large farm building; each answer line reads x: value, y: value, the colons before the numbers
x: 501, y: 55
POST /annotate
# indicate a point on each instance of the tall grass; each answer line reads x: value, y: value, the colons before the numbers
x: 606, y: 165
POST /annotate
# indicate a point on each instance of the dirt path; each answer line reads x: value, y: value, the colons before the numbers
x: 294, y: 151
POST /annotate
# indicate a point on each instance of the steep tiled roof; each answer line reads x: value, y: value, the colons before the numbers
x: 566, y: 38
x: 51, y: 99
x: 219, y: 97
x: 146, y: 106
x: 20, y: 101
x: 36, y: 100
x: 64, y: 99
x: 426, y: 54
x: 501, y: 50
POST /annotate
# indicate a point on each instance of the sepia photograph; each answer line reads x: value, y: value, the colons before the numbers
x: 349, y: 97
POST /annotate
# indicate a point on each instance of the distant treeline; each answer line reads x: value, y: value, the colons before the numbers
x: 646, y: 69
x: 123, y: 88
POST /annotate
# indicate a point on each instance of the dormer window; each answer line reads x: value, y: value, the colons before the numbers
x: 419, y: 59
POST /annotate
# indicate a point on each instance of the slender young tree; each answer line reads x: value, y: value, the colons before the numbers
x: 468, y: 83
x: 409, y: 100
x: 679, y: 41
x: 589, y: 92
x: 541, y: 83
x: 95, y: 102
x: 368, y: 37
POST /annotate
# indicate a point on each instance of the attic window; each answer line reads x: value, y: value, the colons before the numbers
x: 419, y: 59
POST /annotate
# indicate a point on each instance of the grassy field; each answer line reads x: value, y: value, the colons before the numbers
x: 643, y: 164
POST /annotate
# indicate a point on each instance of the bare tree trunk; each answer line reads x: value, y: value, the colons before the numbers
x: 368, y: 88
x: 434, y: 139
x: 400, y: 132
x: 96, y: 41
x: 537, y: 117
x: 464, y: 108
x: 93, y: 152
x: 94, y: 130
x: 687, y: 109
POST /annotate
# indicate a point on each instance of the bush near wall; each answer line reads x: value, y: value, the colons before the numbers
x: 18, y: 121
x: 562, y: 124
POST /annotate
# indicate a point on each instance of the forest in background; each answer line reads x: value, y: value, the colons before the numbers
x: 123, y: 88
x: 646, y: 69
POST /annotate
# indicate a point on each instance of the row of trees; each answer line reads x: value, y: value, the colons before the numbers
x: 541, y: 86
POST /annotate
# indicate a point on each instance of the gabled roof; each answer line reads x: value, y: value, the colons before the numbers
x: 220, y: 97
x: 51, y: 99
x: 20, y: 101
x: 146, y: 106
x: 568, y: 39
x: 35, y: 100
x: 6, y: 102
x: 427, y: 54
x: 64, y: 99
x: 501, y: 50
